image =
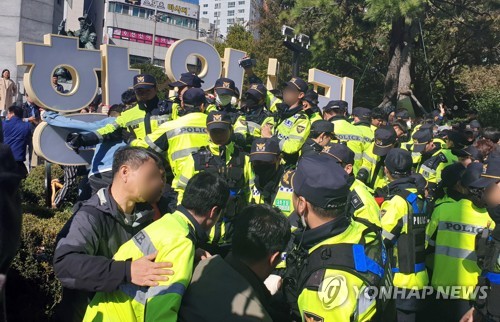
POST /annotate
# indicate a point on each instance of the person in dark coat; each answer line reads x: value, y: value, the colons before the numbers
x: 10, y: 216
x: 83, y: 259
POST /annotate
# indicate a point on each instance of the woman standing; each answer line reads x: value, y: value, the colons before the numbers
x: 8, y: 91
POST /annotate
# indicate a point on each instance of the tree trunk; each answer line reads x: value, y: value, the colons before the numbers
x: 392, y: 77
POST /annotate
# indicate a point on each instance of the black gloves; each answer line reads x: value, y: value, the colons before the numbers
x: 77, y: 140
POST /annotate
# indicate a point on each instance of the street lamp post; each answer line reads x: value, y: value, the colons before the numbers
x: 155, y: 18
x: 298, y: 44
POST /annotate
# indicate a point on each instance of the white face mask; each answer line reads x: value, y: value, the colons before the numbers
x: 223, y: 100
x: 408, y: 123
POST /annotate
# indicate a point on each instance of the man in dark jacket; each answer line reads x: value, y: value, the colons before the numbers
x: 83, y: 256
x: 10, y: 217
x: 17, y: 135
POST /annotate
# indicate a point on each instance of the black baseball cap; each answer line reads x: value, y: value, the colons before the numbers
x: 339, y: 152
x: 321, y: 181
x: 421, y: 138
x: 362, y: 112
x: 218, y: 120
x: 144, y: 81
x: 258, y: 91
x: 226, y: 86
x: 471, y: 174
x: 298, y: 84
x: 311, y: 96
x: 321, y: 126
x: 187, y: 79
x: 266, y: 150
x: 399, y: 161
x: 490, y: 174
x: 470, y: 151
x: 385, y: 137
x: 194, y: 97
x: 333, y: 105
x: 402, y: 115
x: 474, y: 124
x: 451, y: 174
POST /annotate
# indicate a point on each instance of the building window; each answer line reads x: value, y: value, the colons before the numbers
x: 217, y: 6
x: 217, y: 14
x: 204, y: 13
x: 205, y: 5
x: 241, y: 10
x: 111, y: 7
x: 240, y: 20
x: 241, y: 3
x: 230, y: 13
x: 123, y: 9
x: 230, y: 21
x: 231, y: 4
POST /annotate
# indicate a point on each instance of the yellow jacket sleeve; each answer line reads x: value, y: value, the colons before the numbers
x: 188, y: 171
x: 164, y: 300
x: 157, y: 140
x: 120, y: 122
x: 392, y: 213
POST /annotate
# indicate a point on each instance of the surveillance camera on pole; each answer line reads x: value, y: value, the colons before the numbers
x: 288, y: 32
x: 297, y: 44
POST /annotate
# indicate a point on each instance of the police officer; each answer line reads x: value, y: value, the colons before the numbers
x: 137, y: 122
x: 254, y: 113
x: 379, y: 118
x: 310, y: 103
x: 432, y: 167
x: 362, y: 120
x: 361, y: 205
x: 187, y: 81
x: 271, y: 101
x: 223, y: 157
x: 450, y: 234
x: 265, y: 158
x: 322, y: 254
x: 404, y: 220
x: 335, y: 112
x: 174, y: 237
x: 488, y: 245
x: 177, y: 139
x: 423, y: 147
x: 290, y: 124
x: 225, y: 90
x: 321, y: 134
x: 372, y: 168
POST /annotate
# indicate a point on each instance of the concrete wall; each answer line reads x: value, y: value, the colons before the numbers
x: 25, y: 20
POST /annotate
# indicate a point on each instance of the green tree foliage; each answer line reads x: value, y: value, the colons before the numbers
x: 482, y: 83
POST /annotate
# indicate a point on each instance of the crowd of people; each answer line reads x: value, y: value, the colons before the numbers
x: 276, y: 209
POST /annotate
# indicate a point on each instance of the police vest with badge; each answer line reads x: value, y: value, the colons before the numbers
x: 231, y: 163
x: 290, y: 124
x: 254, y: 113
x: 265, y: 159
x: 333, y: 251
